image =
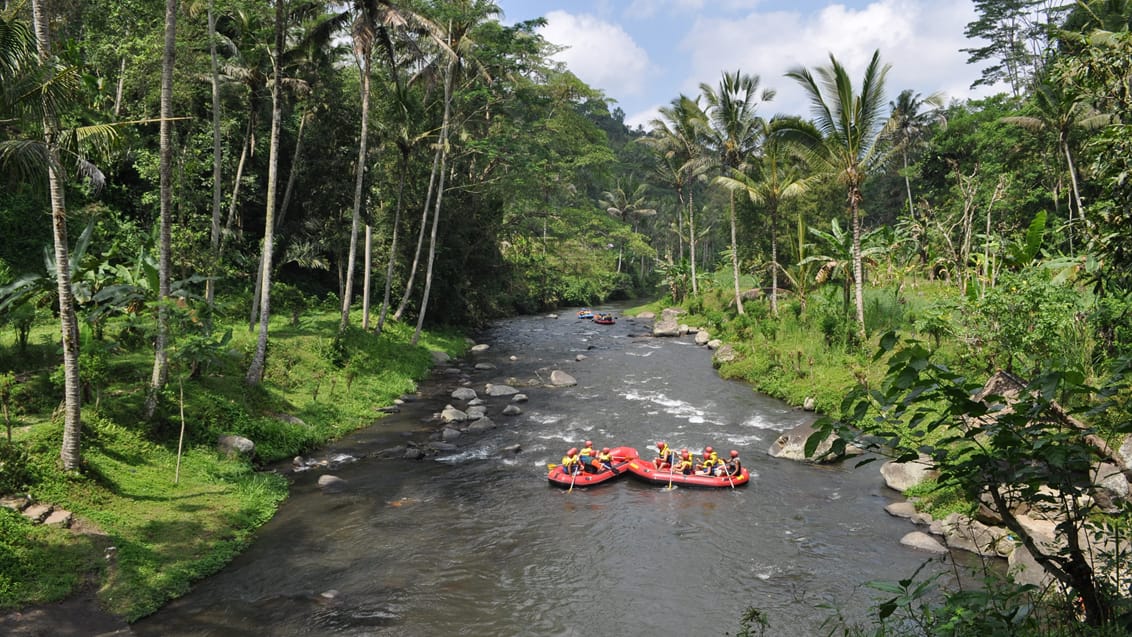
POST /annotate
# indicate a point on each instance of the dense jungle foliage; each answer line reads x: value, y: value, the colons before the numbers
x: 349, y: 173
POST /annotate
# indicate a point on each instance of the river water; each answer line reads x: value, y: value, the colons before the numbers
x: 476, y: 542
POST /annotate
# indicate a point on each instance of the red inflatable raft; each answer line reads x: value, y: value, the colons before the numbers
x: 621, y: 457
x: 645, y: 470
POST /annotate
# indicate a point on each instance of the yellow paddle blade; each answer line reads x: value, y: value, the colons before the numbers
x: 550, y: 466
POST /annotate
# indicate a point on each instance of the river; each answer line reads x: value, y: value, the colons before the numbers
x: 476, y: 542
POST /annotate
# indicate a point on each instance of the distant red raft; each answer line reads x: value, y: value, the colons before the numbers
x: 621, y: 457
x: 645, y: 470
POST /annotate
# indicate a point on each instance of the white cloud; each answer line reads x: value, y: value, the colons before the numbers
x: 602, y: 54
x: 921, y: 41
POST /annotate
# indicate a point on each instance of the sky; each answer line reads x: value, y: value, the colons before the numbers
x: 645, y: 53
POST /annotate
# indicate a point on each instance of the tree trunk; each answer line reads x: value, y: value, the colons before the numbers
x: 908, y: 185
x: 858, y: 273
x: 420, y: 239
x: 259, y: 359
x: 393, y: 242
x: 735, y: 259
x: 164, y: 259
x: 70, y: 451
x: 248, y: 149
x: 692, y: 241
x: 368, y: 260
x: 217, y: 159
x: 359, y: 182
x: 443, y: 152
x: 774, y: 259
x: 120, y: 88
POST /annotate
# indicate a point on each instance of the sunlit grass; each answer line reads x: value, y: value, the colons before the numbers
x: 169, y: 527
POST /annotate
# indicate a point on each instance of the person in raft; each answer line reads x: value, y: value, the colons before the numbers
x: 685, y: 466
x: 570, y: 462
x: 734, y: 465
x: 604, y: 460
x: 586, y: 456
x: 716, y: 462
x: 664, y: 455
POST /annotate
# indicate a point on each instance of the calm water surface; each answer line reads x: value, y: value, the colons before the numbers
x: 476, y: 542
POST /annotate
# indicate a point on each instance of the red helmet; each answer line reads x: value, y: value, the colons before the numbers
x: 589, y: 443
x: 707, y: 455
x: 708, y: 449
x: 572, y: 452
x: 734, y: 454
x: 605, y: 449
x: 685, y: 454
x: 661, y: 444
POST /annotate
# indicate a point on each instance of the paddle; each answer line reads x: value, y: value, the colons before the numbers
x: 728, y: 474
x: 573, y: 477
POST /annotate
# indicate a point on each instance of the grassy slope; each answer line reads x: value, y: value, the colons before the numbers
x: 169, y: 534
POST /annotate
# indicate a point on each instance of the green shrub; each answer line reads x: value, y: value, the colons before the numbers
x: 15, y: 472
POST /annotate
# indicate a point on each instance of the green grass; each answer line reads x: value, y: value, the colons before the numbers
x: 168, y: 534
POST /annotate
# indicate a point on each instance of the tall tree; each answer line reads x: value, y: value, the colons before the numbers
x: 848, y: 146
x: 774, y: 179
x: 627, y: 202
x: 164, y: 259
x: 255, y: 371
x: 734, y: 136
x: 1017, y: 37
x: 70, y: 452
x: 908, y: 126
x: 1061, y: 113
x: 457, y: 57
x: 676, y: 137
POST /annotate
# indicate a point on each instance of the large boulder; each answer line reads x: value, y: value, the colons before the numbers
x: 924, y: 542
x: 500, y: 390
x: 559, y: 378
x: 702, y: 337
x: 967, y: 534
x: 439, y: 357
x: 902, y: 476
x: 451, y: 414
x: 232, y: 446
x: 464, y: 393
x: 791, y: 445
x: 1110, y: 487
x: 723, y: 354
x: 667, y: 325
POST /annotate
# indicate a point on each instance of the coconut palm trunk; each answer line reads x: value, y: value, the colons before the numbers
x: 359, y: 183
x: 255, y: 371
x: 420, y: 238
x: 735, y: 259
x: 70, y: 451
x: 217, y: 159
x: 393, y: 242
x: 164, y: 260
x: 442, y: 152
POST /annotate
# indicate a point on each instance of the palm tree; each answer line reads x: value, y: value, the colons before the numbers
x: 676, y: 138
x: 734, y: 135
x: 164, y: 261
x: 627, y: 202
x: 848, y: 146
x: 70, y: 453
x: 908, y: 126
x: 1061, y: 112
x: 777, y: 178
x: 255, y: 371
x: 457, y: 56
